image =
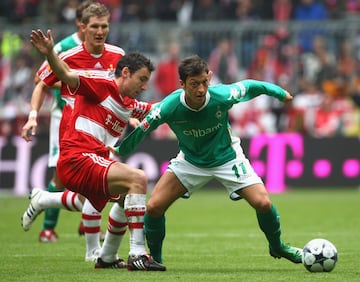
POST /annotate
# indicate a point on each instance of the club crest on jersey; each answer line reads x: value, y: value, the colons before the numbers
x: 45, y: 73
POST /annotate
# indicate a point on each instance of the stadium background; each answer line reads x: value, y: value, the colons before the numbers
x: 312, y: 143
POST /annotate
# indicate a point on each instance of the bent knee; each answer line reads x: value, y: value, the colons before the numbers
x: 139, y: 180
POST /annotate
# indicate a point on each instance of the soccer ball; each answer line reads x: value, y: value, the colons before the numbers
x: 319, y: 255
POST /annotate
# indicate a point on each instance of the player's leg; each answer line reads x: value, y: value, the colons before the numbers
x: 51, y: 215
x: 91, y: 221
x: 123, y: 179
x: 167, y: 190
x: 269, y: 221
x: 116, y: 229
x: 40, y: 200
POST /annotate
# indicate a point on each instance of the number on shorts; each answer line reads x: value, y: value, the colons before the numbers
x: 236, y: 168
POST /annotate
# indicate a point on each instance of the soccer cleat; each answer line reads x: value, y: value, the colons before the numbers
x: 144, y: 262
x: 93, y: 258
x: 33, y: 210
x: 286, y: 251
x: 81, y: 231
x: 119, y: 263
x: 48, y: 236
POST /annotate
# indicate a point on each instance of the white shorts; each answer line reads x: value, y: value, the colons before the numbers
x: 55, y: 118
x: 233, y: 175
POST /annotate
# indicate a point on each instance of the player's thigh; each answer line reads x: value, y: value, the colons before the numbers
x: 167, y: 190
x: 123, y: 178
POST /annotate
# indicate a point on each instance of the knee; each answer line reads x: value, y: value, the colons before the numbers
x: 263, y: 205
x: 154, y: 210
x: 139, y: 180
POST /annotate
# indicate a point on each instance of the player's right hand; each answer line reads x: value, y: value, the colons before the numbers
x: 29, y: 129
x: 44, y: 43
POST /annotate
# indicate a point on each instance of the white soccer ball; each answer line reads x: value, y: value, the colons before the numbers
x: 319, y: 255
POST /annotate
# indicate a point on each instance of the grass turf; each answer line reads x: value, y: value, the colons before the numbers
x: 209, y: 238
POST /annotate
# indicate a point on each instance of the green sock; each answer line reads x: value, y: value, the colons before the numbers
x: 270, y: 224
x: 155, y: 234
x: 51, y: 214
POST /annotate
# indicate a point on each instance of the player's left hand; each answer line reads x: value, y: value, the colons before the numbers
x: 134, y: 122
x: 112, y: 150
x: 288, y: 97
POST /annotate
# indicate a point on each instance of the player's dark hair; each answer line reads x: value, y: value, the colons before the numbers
x: 134, y: 61
x: 192, y: 66
x: 81, y: 7
x: 94, y: 10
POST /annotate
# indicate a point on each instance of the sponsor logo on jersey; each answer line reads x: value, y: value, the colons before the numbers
x: 115, y: 125
x: 197, y: 132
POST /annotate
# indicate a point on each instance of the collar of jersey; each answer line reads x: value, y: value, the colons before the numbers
x: 182, y: 101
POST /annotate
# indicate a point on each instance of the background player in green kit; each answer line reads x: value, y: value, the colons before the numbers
x: 48, y: 234
x: 198, y: 115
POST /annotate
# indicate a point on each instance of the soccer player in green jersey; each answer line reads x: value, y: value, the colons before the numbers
x: 198, y: 115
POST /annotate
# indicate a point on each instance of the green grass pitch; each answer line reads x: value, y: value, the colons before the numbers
x: 209, y: 238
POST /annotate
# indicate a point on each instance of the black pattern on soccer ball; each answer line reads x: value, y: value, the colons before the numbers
x: 319, y: 255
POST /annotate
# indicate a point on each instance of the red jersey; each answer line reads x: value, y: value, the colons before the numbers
x: 100, y: 114
x: 78, y: 58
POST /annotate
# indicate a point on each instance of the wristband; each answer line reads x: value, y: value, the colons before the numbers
x: 33, y: 114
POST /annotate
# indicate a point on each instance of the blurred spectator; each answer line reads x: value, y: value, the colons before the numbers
x: 21, y: 11
x: 184, y: 13
x: 315, y: 62
x: 206, y: 10
x: 167, y: 10
x: 246, y: 10
x: 68, y: 11
x: 166, y: 78
x: 223, y: 62
x: 282, y: 10
x: 309, y: 10
x: 323, y: 121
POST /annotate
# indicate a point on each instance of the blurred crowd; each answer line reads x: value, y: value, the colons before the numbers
x: 322, y: 71
x: 184, y: 11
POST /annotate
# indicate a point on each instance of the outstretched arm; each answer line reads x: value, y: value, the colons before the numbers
x: 45, y: 45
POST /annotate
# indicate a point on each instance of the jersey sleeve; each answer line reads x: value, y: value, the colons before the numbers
x: 250, y: 89
x: 149, y: 123
x: 141, y: 109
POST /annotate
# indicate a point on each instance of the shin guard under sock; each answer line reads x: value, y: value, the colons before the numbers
x: 155, y: 234
x: 270, y: 224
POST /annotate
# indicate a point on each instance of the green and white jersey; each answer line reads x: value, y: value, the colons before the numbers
x: 205, y: 136
x: 65, y: 44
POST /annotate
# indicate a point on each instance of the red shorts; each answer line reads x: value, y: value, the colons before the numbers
x: 86, y: 173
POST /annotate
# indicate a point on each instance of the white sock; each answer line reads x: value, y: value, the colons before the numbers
x: 91, y: 220
x: 64, y: 200
x: 135, y: 211
x: 114, y: 233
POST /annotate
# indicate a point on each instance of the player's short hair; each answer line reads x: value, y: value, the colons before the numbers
x: 94, y: 10
x: 192, y: 66
x: 81, y: 7
x: 134, y: 61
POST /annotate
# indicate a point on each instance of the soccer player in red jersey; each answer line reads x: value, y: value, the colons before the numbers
x: 102, y: 108
x: 92, y: 54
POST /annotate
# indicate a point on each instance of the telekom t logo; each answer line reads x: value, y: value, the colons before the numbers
x: 277, y: 163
